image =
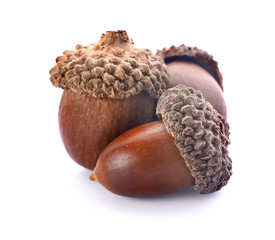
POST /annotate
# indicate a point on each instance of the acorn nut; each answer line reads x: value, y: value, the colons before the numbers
x: 188, y: 147
x: 109, y: 87
x: 195, y: 68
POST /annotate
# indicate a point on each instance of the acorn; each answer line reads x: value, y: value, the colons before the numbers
x: 195, y: 68
x: 109, y: 88
x: 187, y: 147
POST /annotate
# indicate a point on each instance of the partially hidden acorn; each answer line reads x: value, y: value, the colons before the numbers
x: 187, y: 147
x: 109, y: 87
x: 195, y: 68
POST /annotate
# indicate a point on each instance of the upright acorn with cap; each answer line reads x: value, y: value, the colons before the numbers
x: 109, y: 88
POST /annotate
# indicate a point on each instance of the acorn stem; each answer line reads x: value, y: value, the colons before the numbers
x: 113, y: 39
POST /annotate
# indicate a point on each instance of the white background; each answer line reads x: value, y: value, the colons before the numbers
x: 45, y: 195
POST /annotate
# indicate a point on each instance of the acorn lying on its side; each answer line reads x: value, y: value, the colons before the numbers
x: 142, y: 162
x: 188, y: 147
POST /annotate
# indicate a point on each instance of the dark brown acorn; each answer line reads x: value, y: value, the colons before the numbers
x: 188, y: 147
x: 195, y: 68
x: 109, y: 87
x: 142, y: 162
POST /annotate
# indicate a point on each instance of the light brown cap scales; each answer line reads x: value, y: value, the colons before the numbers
x: 111, y: 68
x: 201, y: 134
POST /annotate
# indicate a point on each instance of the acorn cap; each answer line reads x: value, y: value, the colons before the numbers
x: 111, y: 68
x: 201, y: 134
x: 192, y: 54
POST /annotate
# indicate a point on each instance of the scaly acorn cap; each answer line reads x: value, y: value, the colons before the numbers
x: 201, y: 134
x: 192, y: 54
x: 111, y: 68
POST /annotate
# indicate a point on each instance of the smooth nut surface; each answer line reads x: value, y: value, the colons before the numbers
x: 192, y: 75
x: 142, y: 162
x: 88, y: 124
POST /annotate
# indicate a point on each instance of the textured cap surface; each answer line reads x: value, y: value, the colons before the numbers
x: 200, y: 133
x: 193, y: 54
x: 111, y: 68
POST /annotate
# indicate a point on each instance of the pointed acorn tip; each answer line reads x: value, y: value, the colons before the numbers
x: 93, y: 177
